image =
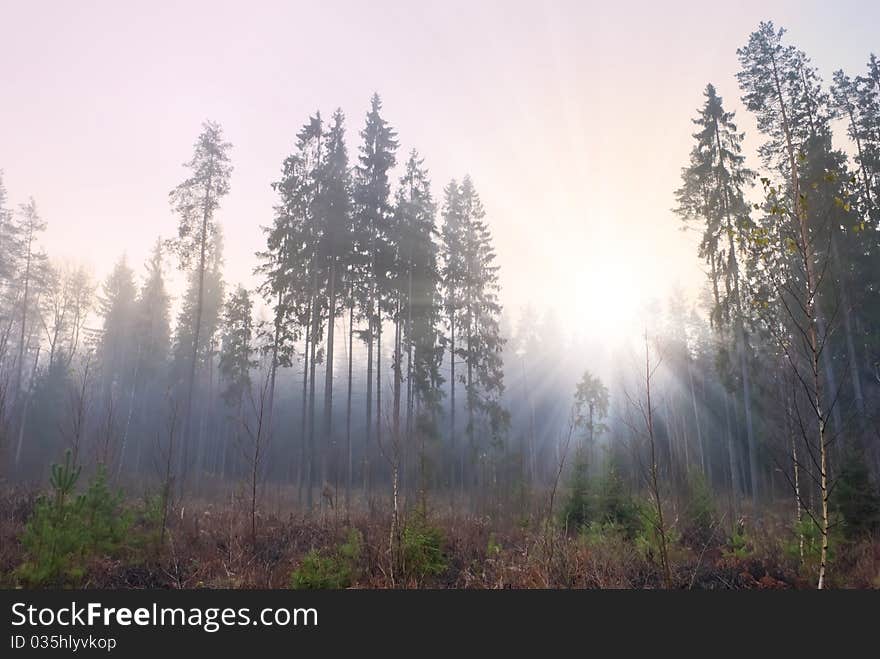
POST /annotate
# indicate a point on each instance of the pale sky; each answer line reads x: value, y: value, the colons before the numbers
x: 573, y: 118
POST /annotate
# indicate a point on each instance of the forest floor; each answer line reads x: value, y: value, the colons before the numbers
x: 210, y: 545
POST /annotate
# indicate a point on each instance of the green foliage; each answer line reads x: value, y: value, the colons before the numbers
x: 317, y: 572
x: 700, y: 514
x: 856, y: 498
x: 149, y: 520
x: 604, y: 534
x: 618, y: 506
x: 606, y: 502
x: 65, y: 533
x: 103, y: 516
x: 648, y: 538
x: 333, y: 571
x: 154, y: 509
x: 493, y: 548
x: 740, y: 545
x: 808, y: 532
x: 578, y: 510
x: 422, y: 549
x: 591, y: 405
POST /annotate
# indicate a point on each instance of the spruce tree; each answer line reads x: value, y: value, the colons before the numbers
x: 337, y: 249
x: 478, y: 319
x: 373, y: 211
x: 196, y: 201
x: 237, y: 349
x: 152, y: 319
x: 713, y: 195
x: 118, y: 344
x: 294, y: 272
x: 417, y: 313
x: 452, y: 275
x: 590, y: 406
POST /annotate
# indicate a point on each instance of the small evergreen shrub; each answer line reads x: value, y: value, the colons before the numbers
x: 740, y: 546
x: 422, y: 549
x: 808, y: 530
x: 66, y: 531
x: 601, y: 504
x: 648, y: 538
x: 856, y: 498
x: 617, y: 506
x: 598, y: 535
x: 333, y: 571
x: 579, y: 508
x: 700, y: 515
x: 493, y: 548
x: 148, y: 523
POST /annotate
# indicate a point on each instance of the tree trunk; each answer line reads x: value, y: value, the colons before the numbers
x: 731, y: 456
x: 697, y: 420
x: 655, y: 486
x: 197, y: 328
x: 368, y: 443
x: 452, y: 482
x: 304, y: 412
x: 396, y: 393
x: 310, y: 446
x: 348, y: 406
x: 812, y: 332
x: 745, y: 375
x: 379, y: 374
x: 329, y: 444
x: 274, y: 366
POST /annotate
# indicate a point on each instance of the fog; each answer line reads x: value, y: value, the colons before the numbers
x: 590, y: 268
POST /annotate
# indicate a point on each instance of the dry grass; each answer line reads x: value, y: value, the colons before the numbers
x: 208, y: 545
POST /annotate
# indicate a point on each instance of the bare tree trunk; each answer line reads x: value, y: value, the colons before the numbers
x: 310, y: 447
x: 130, y: 412
x: 409, y: 356
x: 167, y: 479
x: 348, y: 406
x: 731, y: 456
x: 697, y: 419
x: 203, y: 246
x: 452, y: 482
x: 797, y: 479
x: 305, y: 407
x: 274, y: 366
x: 470, y: 397
x: 24, y: 409
x: 396, y: 393
x: 654, y: 484
x: 368, y: 443
x: 379, y: 375
x: 329, y: 444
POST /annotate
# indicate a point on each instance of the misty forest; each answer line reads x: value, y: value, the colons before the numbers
x: 365, y: 413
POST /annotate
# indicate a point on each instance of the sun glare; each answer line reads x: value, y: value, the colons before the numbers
x: 609, y: 298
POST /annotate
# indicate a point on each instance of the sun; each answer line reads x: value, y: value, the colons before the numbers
x: 609, y: 299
